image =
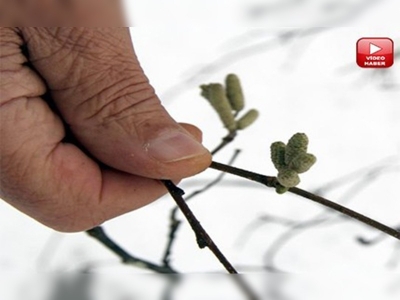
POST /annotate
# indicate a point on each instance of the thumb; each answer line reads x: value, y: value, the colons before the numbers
x: 103, y: 95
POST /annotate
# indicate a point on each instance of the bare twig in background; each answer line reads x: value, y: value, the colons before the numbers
x: 236, y: 55
x: 99, y: 234
x: 364, y: 173
x: 265, y: 219
x: 373, y: 241
x: 248, y: 50
x: 395, y: 257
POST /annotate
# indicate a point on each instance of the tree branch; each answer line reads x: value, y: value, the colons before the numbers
x: 175, y: 223
x: 203, y: 239
x: 270, y: 181
x: 225, y: 141
x: 99, y: 234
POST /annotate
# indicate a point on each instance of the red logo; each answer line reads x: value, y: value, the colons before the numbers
x: 375, y: 52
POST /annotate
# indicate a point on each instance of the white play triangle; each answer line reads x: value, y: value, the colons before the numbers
x: 374, y: 48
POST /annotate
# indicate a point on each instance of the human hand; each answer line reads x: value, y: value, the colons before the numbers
x: 104, y: 98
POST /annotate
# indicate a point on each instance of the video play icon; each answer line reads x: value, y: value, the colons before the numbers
x: 374, y: 48
x: 375, y: 52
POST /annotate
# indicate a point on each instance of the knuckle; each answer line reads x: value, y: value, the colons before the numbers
x: 18, y: 84
x: 17, y: 80
x: 10, y: 43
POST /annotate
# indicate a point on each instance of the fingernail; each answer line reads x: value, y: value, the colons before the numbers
x: 174, y: 146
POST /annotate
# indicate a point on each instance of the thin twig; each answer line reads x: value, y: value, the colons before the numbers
x: 373, y: 241
x: 215, y: 181
x: 225, y: 141
x: 245, y: 236
x: 99, y: 234
x: 173, y: 229
x: 203, y: 239
x: 175, y: 223
x: 326, y: 218
x: 348, y: 212
x: 271, y: 182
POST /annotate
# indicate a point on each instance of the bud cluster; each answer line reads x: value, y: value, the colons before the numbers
x: 228, y: 102
x: 291, y: 160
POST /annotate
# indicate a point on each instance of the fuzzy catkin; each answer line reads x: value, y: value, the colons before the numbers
x: 248, y: 118
x: 234, y: 92
x: 288, y: 178
x: 297, y: 144
x: 278, y: 155
x: 302, y: 162
x: 215, y: 94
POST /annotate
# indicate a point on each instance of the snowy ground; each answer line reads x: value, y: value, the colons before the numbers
x: 301, y: 79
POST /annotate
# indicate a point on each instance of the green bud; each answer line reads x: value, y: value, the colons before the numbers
x: 302, y: 162
x: 234, y: 92
x: 280, y: 189
x: 288, y: 178
x: 215, y: 94
x: 278, y: 155
x: 297, y: 144
x: 247, y: 119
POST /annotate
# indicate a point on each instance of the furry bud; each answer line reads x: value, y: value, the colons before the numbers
x: 288, y: 178
x: 249, y: 118
x: 302, y: 162
x: 234, y: 92
x: 278, y: 155
x: 297, y: 144
x: 215, y: 94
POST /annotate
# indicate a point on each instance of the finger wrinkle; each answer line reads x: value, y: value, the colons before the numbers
x: 43, y: 38
x: 34, y: 122
x: 121, y: 104
x: 11, y: 57
x: 131, y: 111
x: 16, y: 80
x: 22, y: 83
x: 78, y: 53
x: 10, y: 35
x: 92, y: 44
x: 115, y: 98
